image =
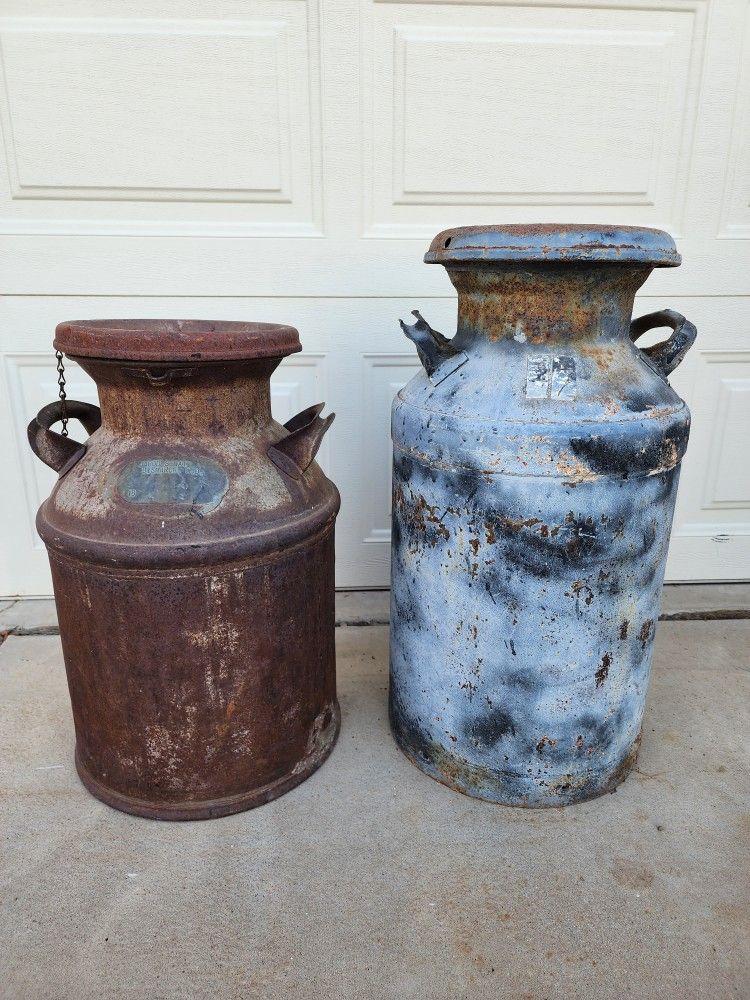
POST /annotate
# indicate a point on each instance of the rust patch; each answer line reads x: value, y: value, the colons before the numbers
x: 645, y: 633
x: 574, y: 470
x: 517, y: 525
x: 456, y: 773
x: 603, y: 671
x: 579, y: 589
x: 545, y: 741
x: 564, y: 303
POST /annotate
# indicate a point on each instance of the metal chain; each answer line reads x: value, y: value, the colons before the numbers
x: 61, y: 383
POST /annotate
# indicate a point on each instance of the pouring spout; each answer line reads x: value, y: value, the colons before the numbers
x: 294, y: 454
x: 437, y: 354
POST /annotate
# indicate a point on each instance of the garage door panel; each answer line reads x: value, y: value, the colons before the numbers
x: 200, y: 122
x: 286, y: 161
x: 549, y: 109
x: 736, y: 203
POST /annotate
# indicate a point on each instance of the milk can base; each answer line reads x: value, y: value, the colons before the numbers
x: 214, y: 808
x: 596, y: 783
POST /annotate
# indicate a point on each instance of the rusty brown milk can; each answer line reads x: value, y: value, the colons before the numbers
x: 191, y: 544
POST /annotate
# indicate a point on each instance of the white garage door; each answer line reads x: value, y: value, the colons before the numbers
x: 288, y: 160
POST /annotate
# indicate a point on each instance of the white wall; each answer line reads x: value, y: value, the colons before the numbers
x: 289, y: 160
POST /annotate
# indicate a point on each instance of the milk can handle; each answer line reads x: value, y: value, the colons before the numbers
x: 666, y: 355
x: 58, y: 452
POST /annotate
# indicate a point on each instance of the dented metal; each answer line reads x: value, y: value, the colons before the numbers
x: 193, y: 571
x: 533, y: 494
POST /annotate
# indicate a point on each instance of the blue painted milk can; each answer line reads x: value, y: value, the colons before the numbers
x: 536, y: 461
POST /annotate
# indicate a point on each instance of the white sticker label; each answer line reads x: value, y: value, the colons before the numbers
x: 537, y: 377
x: 551, y: 377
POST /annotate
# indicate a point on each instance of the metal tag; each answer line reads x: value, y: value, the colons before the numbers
x: 173, y: 481
x: 447, y: 367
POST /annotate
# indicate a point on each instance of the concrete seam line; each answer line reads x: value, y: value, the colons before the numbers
x: 729, y: 614
x: 705, y: 616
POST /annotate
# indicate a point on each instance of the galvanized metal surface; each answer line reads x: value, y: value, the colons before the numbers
x: 193, y: 575
x: 534, y: 489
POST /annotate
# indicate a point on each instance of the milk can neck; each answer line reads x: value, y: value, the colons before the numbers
x: 538, y: 303
x: 182, y: 399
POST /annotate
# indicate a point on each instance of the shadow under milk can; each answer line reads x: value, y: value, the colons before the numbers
x: 191, y: 546
x: 536, y: 462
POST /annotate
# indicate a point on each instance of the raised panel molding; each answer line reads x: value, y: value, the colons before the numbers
x: 510, y: 105
x: 522, y: 55
x: 195, y: 117
x: 383, y: 376
x: 711, y: 538
x: 727, y: 481
x: 736, y: 201
x: 111, y: 144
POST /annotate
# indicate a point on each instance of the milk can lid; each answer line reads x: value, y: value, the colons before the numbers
x: 174, y: 340
x: 563, y: 243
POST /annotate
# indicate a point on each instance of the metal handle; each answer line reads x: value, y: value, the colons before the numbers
x: 58, y: 452
x: 667, y: 354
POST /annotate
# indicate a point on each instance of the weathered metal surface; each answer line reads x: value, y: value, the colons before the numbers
x: 165, y: 340
x: 552, y: 243
x: 533, y: 494
x: 193, y: 575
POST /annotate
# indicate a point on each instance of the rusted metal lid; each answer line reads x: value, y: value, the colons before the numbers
x: 174, y: 340
x: 563, y: 243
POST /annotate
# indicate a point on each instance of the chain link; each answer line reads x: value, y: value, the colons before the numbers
x: 61, y: 383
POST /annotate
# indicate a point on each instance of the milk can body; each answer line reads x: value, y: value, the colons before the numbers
x: 536, y: 463
x: 191, y: 546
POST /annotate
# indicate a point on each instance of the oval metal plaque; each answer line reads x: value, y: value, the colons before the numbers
x: 173, y: 481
